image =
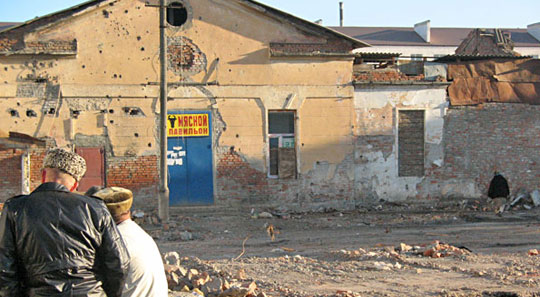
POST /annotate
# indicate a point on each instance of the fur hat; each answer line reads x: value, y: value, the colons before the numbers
x: 118, y: 200
x: 66, y: 161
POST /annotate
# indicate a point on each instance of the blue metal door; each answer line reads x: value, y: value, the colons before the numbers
x: 189, y: 158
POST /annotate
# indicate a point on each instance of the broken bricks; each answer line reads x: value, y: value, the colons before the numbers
x: 197, y: 282
x: 438, y: 250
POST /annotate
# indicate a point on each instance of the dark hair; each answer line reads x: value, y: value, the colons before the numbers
x: 93, y: 190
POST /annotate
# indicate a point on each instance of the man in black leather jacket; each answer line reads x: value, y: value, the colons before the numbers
x: 57, y: 243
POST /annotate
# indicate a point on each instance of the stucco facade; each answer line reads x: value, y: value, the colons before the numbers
x: 377, y: 108
x: 88, y: 77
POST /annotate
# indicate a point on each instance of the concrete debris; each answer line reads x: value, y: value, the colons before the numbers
x: 199, y: 280
x: 521, y: 200
x: 186, y: 236
x: 264, y: 215
x: 535, y: 196
x: 386, y: 266
x: 435, y: 249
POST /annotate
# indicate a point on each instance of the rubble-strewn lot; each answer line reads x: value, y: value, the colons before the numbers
x: 466, y: 248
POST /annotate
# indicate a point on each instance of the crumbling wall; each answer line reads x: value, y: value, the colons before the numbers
x: 10, y: 175
x: 99, y: 87
x: 11, y: 162
x: 479, y: 140
x: 376, y: 151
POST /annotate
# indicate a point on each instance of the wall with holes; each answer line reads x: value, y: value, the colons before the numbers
x: 91, y: 79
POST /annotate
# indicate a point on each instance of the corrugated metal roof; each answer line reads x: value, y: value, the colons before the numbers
x: 403, y: 36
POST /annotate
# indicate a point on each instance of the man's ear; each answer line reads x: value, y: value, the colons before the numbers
x: 75, y: 185
x: 43, y: 175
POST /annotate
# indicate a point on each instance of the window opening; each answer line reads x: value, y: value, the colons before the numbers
x: 282, y: 148
x: 176, y: 14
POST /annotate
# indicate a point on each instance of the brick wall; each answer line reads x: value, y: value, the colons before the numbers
x: 10, y: 172
x: 386, y: 75
x: 139, y: 174
x: 36, y: 165
x: 480, y: 140
x: 236, y: 180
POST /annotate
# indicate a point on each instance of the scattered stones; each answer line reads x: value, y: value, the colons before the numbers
x: 203, y: 281
x: 265, y: 215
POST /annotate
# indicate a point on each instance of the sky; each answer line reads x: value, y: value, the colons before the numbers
x: 393, y: 13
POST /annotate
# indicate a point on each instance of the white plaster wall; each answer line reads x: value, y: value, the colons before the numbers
x: 375, y: 172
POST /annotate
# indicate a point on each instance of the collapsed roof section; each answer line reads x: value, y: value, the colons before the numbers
x: 503, y: 80
x: 487, y: 42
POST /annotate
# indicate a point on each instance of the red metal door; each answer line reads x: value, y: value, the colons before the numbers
x: 95, y: 167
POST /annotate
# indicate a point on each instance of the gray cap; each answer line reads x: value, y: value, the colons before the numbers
x: 66, y: 161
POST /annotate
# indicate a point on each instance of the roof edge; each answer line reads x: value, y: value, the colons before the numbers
x: 320, y: 28
x: 80, y: 6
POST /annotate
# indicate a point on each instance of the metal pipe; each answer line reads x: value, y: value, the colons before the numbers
x: 163, y: 202
x: 341, y: 14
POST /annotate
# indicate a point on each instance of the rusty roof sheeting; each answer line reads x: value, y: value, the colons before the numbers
x: 503, y: 81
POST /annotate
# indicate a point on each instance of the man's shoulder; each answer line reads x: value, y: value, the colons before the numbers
x: 131, y: 229
x: 14, y: 199
x: 90, y: 200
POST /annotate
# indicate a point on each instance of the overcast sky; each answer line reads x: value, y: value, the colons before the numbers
x: 403, y: 13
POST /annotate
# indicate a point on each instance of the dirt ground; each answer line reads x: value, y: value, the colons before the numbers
x: 372, y: 251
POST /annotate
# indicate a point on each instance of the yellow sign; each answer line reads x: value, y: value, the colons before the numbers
x: 187, y: 125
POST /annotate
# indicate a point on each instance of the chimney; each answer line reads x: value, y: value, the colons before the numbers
x: 341, y: 14
x: 534, y: 30
x: 424, y: 30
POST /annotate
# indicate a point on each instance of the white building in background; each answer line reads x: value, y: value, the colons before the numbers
x: 423, y: 41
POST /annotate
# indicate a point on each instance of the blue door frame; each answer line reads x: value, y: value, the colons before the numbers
x: 190, y: 164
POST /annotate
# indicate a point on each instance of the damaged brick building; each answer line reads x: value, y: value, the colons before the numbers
x: 259, y: 105
x: 263, y: 107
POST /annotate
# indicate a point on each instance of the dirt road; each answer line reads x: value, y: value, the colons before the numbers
x: 357, y: 253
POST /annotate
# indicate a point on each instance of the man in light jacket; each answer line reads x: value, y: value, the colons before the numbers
x: 146, y: 274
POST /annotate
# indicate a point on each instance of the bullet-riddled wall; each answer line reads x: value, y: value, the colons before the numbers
x: 89, y: 78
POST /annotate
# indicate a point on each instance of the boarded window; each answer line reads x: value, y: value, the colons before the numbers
x: 281, y: 136
x: 411, y: 143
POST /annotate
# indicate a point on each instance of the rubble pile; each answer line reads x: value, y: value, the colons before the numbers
x: 440, y: 250
x: 435, y: 249
x: 198, y: 280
